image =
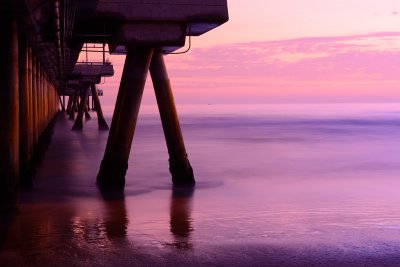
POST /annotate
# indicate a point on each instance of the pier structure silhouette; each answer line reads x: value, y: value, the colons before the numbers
x: 40, y: 47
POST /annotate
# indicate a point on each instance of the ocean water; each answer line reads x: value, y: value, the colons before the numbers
x: 277, y: 185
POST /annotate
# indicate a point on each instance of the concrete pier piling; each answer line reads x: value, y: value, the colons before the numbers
x: 9, y: 112
x: 114, y: 165
x: 115, y: 162
x: 179, y: 165
x: 30, y: 102
x: 78, y: 124
x: 100, y: 117
x: 87, y: 115
x: 69, y: 105
x: 75, y: 97
x: 40, y: 97
x: 24, y: 106
x: 34, y: 103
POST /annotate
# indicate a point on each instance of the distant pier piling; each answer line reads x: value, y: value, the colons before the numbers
x: 69, y: 105
x: 75, y: 97
x: 78, y: 125
x: 100, y: 117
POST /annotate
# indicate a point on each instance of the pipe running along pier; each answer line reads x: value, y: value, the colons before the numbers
x: 40, y: 47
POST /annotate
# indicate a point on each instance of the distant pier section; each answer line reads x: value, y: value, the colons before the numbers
x: 41, y: 44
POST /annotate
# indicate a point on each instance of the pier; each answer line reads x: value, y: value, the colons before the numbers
x: 40, y: 48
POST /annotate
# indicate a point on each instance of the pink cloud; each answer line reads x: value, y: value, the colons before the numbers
x: 347, y: 57
x: 349, y: 68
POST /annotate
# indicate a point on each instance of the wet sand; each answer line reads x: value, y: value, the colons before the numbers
x: 268, y: 194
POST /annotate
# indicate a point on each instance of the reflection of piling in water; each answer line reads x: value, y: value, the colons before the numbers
x: 116, y: 220
x: 180, y: 217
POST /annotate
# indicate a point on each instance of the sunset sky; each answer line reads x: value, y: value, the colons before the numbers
x: 289, y: 51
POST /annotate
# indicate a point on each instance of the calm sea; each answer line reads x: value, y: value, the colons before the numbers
x: 277, y: 185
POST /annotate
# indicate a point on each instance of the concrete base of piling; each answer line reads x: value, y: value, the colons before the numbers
x: 78, y: 125
x: 103, y: 126
x: 182, y: 173
x: 111, y: 176
x: 87, y: 116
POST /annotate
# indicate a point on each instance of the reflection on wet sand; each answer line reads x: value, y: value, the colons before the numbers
x: 115, y: 216
x: 180, y: 217
x: 62, y: 233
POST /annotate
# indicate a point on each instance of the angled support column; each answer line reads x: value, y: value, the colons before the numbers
x: 69, y: 105
x: 115, y: 162
x: 77, y: 100
x: 93, y: 106
x: 74, y: 104
x: 78, y: 125
x: 179, y: 165
x: 95, y: 98
x: 9, y: 111
x: 88, y: 103
x: 87, y: 115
